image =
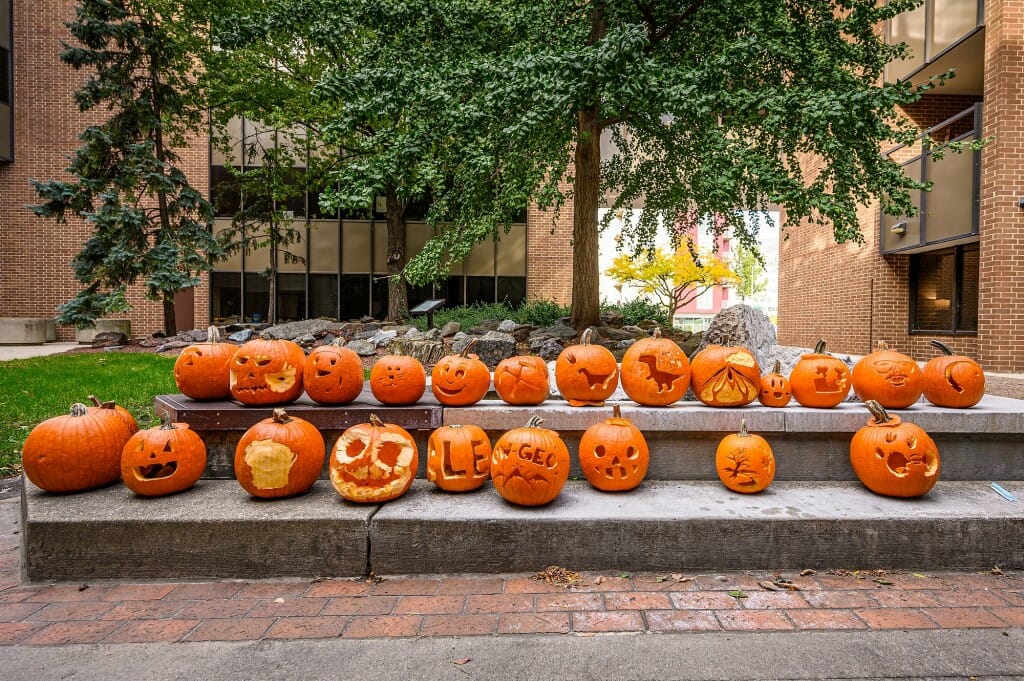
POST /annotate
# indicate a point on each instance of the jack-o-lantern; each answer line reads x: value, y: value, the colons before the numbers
x: 460, y: 380
x: 279, y: 457
x: 373, y: 462
x: 892, y: 457
x: 332, y: 375
x: 890, y: 378
x: 121, y: 413
x: 266, y: 372
x: 586, y: 374
x: 458, y: 458
x: 954, y: 381
x: 522, y: 380
x: 202, y: 370
x: 775, y: 389
x: 529, y: 465
x: 655, y: 371
x: 819, y: 379
x: 745, y: 461
x: 75, y: 452
x: 398, y: 380
x: 163, y: 460
x: 723, y: 376
x: 614, y: 454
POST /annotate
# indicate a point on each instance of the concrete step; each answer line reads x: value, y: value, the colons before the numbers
x: 982, y: 443
x: 216, y: 530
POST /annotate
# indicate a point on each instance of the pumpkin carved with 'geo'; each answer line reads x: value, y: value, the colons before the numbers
x: 655, y: 371
x: 373, y: 462
x: 163, y: 460
x: 266, y: 372
x: 529, y: 465
x: 458, y: 458
x: 723, y: 376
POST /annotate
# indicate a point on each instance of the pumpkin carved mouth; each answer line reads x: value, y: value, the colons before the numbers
x: 156, y: 471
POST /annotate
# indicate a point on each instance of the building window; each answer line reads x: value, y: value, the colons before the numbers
x: 944, y: 291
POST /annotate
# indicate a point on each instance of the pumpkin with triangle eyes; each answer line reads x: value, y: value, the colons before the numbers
x: 267, y: 372
x: 202, y: 369
x: 333, y: 375
x: 460, y: 380
x: 614, y: 454
x: 163, y: 460
x: 723, y: 376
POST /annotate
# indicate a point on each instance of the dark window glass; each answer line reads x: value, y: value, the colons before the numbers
x: 379, y: 309
x: 453, y: 292
x: 291, y: 297
x: 479, y: 290
x: 944, y: 290
x: 224, y: 191
x: 226, y: 295
x: 512, y: 290
x: 5, y: 73
x: 355, y: 295
x: 323, y: 295
x: 968, y: 282
x: 257, y: 297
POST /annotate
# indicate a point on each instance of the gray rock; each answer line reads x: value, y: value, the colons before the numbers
x: 460, y: 336
x: 614, y: 319
x: 492, y: 347
x: 416, y: 334
x: 382, y: 338
x: 742, y: 325
x: 507, y: 326
x: 523, y: 332
x: 173, y: 345
x: 362, y: 348
x: 450, y: 329
x: 428, y: 352
x: 559, y: 331
x: 108, y: 338
x: 548, y: 349
x: 612, y: 333
x: 242, y: 336
x: 293, y: 330
x: 327, y: 339
x: 305, y: 340
x: 624, y: 344
x: 365, y: 334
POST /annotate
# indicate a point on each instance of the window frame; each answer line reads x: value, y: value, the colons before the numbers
x: 956, y: 302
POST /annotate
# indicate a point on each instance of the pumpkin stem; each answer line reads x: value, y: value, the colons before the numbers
x: 777, y: 367
x: 585, y: 338
x: 79, y: 409
x: 280, y: 416
x: 819, y: 348
x: 941, y: 347
x: 109, y: 404
x: 456, y: 425
x: 743, y: 428
x: 878, y: 412
x: 213, y: 335
x: 469, y: 346
x: 375, y: 421
x: 616, y: 411
x: 534, y: 422
x: 882, y: 345
x: 657, y: 332
x: 95, y: 400
x: 165, y: 421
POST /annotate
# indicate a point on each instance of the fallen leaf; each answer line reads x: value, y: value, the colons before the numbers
x: 661, y: 579
x: 997, y: 571
x: 766, y: 585
x: 279, y: 600
x: 807, y: 573
x: 919, y: 575
x: 879, y: 580
x: 83, y: 587
x: 464, y: 660
x: 599, y: 580
x: 737, y: 594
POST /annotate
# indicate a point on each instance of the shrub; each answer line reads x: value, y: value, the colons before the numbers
x: 540, y: 313
x: 639, y: 310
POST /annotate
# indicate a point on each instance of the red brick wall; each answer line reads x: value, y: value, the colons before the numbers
x: 549, y: 253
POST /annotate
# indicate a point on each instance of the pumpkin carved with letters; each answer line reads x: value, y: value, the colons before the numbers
x: 458, y: 458
x: 529, y: 465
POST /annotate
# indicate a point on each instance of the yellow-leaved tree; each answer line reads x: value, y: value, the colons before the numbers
x: 673, y: 279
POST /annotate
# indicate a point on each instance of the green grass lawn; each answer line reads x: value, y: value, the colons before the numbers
x: 33, y: 390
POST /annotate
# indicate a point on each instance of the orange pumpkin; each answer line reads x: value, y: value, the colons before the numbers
x: 398, y: 380
x: 122, y: 413
x: 522, y: 380
x: 373, y: 462
x: 458, y: 458
x: 614, y: 454
x: 333, y: 375
x: 163, y: 460
x: 745, y: 461
x: 529, y: 465
x: 723, y: 376
x: 279, y: 457
x: 954, y: 381
x: 890, y: 378
x: 655, y: 371
x: 586, y: 374
x: 775, y: 389
x: 460, y: 380
x: 202, y: 370
x: 266, y: 372
x: 75, y: 452
x: 892, y: 457
x: 819, y: 379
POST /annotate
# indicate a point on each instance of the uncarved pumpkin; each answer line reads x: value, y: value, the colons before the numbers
x: 613, y: 454
x: 458, y: 458
x: 122, y: 413
x: 890, y: 378
x: 522, y: 380
x: 398, y: 380
x: 332, y: 375
x: 893, y: 457
x: 530, y: 465
x: 954, y: 381
x: 819, y: 379
x: 373, y: 462
x: 267, y: 372
x: 279, y: 457
x: 163, y: 460
x: 202, y: 370
x: 723, y: 376
x: 745, y: 461
x: 460, y: 380
x: 655, y: 371
x: 586, y: 374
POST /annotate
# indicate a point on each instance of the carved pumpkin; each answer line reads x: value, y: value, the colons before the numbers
x: 460, y: 380
x: 655, y: 371
x: 373, y: 462
x: 522, y: 380
x: 279, y: 457
x: 202, y: 370
x: 75, y: 452
x: 266, y: 372
x: 819, y: 379
x: 892, y: 457
x: 723, y: 376
x: 890, y: 378
x: 745, y: 461
x: 163, y: 460
x: 458, y: 458
x: 775, y: 389
x: 332, y: 375
x: 398, y: 380
x: 614, y: 454
x: 954, y: 381
x: 529, y: 465
x: 586, y: 374
x: 122, y: 413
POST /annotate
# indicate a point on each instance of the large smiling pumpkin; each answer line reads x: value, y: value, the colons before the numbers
x: 163, y: 460
x: 373, y: 462
x: 522, y: 380
x: 529, y: 465
x: 724, y: 376
x: 460, y: 380
x: 892, y: 457
x: 333, y: 375
x: 266, y: 372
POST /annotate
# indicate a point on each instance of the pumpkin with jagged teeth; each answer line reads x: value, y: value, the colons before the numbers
x: 267, y: 372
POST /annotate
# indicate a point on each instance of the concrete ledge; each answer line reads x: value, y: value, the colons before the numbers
x: 102, y: 325
x: 25, y: 331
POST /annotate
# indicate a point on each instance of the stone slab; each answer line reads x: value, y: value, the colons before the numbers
x: 214, y: 530
x: 102, y: 325
x: 24, y: 330
x: 668, y: 525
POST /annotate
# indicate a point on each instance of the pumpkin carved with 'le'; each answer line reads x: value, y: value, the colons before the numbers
x: 266, y: 372
x: 458, y: 458
x: 398, y: 380
x: 373, y: 462
x: 745, y: 461
x: 890, y: 378
x: 723, y: 376
x: 954, y: 381
x: 460, y: 380
x: 775, y: 388
x: 655, y: 371
x: 614, y: 454
x: 163, y: 460
x: 279, y: 457
x: 529, y: 465
x: 586, y: 374
x: 819, y: 379
x: 893, y: 457
x: 202, y: 370
x: 522, y: 380
x: 332, y: 375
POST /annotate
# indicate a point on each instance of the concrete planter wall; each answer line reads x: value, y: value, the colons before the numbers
x: 25, y: 331
x: 116, y: 325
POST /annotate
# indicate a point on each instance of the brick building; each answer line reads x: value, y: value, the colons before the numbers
x: 955, y: 271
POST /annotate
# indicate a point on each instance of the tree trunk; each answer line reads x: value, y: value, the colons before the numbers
x: 170, y: 318
x: 272, y: 283
x: 586, y: 295
x: 398, y: 299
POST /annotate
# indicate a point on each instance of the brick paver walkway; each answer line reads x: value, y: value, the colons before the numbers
x: 229, y: 610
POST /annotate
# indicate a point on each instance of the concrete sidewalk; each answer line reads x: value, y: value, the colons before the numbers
x: 9, y: 352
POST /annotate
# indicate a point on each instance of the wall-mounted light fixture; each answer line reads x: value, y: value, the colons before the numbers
x: 1020, y: 202
x: 899, y: 227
